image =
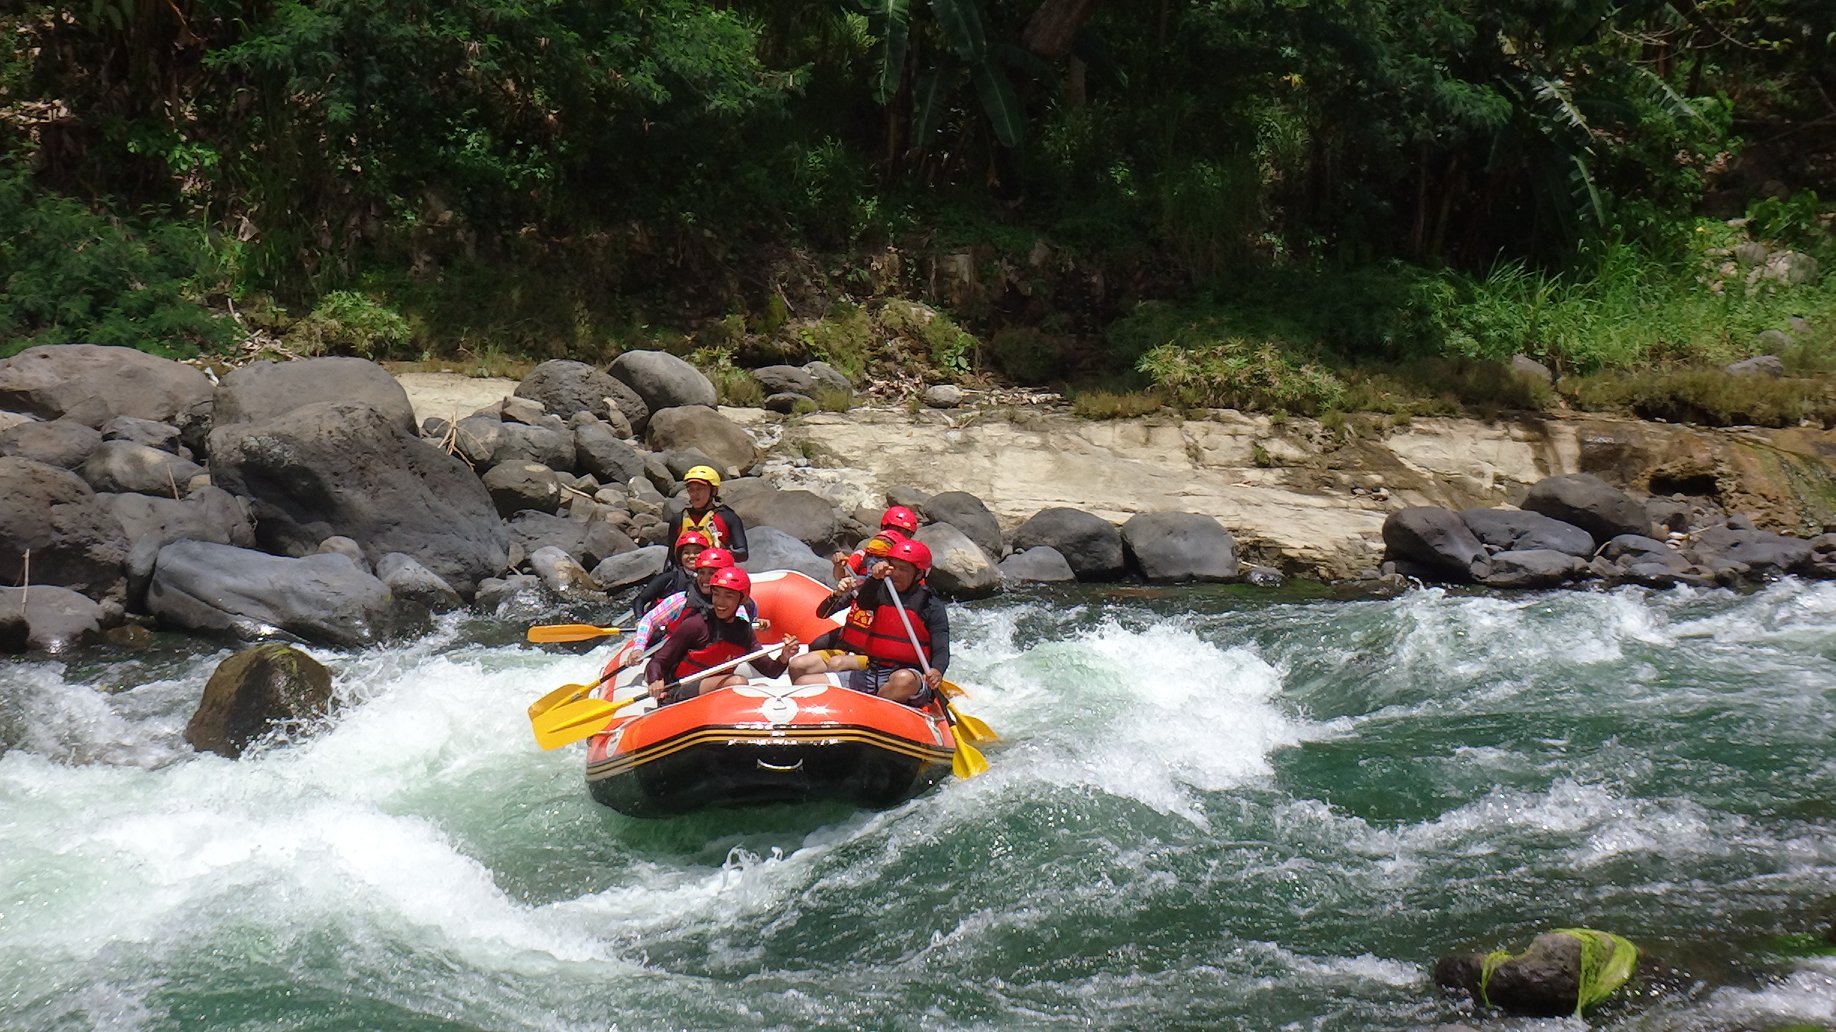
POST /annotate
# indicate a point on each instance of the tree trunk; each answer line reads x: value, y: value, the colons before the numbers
x: 1054, y: 26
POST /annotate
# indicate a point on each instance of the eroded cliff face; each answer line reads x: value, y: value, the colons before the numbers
x: 1306, y: 498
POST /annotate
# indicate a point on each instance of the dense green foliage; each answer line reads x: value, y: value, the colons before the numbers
x: 1295, y: 187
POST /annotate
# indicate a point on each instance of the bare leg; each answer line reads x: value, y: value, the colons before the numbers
x: 902, y: 686
x: 714, y: 684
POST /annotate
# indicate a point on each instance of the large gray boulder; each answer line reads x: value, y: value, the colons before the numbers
x: 151, y: 433
x: 1180, y: 546
x: 804, y: 515
x: 1588, y: 502
x: 769, y: 548
x: 1091, y: 544
x: 565, y: 387
x: 599, y: 451
x: 519, y: 442
x: 1435, y: 538
x: 151, y: 523
x: 786, y: 379
x: 959, y: 566
x: 966, y: 513
x: 1762, y: 552
x: 407, y: 579
x: 702, y: 429
x: 197, y: 585
x: 262, y: 391
x: 64, y: 443
x: 629, y: 569
x: 47, y: 619
x: 663, y: 380
x: 51, y: 520
x: 126, y: 466
x: 255, y: 691
x: 1514, y: 530
x: 102, y: 382
x: 1041, y: 564
x: 588, y: 541
x: 347, y: 469
x: 516, y: 486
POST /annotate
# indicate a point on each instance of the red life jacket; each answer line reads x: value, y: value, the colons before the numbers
x: 722, y: 649
x: 880, y: 635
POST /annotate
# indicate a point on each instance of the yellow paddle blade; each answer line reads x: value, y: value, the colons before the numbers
x: 571, y: 632
x: 565, y: 693
x: 967, y: 761
x: 573, y: 721
x: 951, y: 689
x: 973, y: 727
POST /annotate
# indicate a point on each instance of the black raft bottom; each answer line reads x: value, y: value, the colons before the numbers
x: 757, y: 773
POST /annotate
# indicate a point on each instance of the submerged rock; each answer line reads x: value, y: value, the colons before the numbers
x: 255, y: 691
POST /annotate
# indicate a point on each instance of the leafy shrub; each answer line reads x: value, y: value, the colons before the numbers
x: 69, y: 274
x: 834, y: 399
x: 950, y: 347
x: 346, y: 322
x: 844, y: 339
x: 1708, y: 396
x: 1239, y: 374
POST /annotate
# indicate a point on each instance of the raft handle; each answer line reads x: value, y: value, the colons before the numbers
x: 782, y: 768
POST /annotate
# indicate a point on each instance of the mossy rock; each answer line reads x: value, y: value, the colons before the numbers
x: 255, y: 691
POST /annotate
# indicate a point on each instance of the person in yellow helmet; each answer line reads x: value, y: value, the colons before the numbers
x: 705, y: 515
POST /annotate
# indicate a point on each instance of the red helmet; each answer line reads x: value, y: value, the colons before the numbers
x: 692, y: 537
x: 901, y: 517
x: 731, y: 577
x: 882, y: 542
x: 912, y: 552
x: 714, y: 559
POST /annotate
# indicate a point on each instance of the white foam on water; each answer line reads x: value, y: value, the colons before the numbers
x: 1160, y: 716
x: 1806, y: 995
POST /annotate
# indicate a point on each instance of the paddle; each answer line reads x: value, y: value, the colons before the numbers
x: 571, y: 632
x: 572, y: 721
x: 967, y: 761
x: 574, y: 692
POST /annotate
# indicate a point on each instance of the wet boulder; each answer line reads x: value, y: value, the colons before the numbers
x: 565, y: 387
x: 47, y: 618
x: 98, y: 383
x: 1180, y: 546
x: 1514, y: 530
x: 263, y: 391
x: 348, y: 469
x: 53, y: 525
x: 516, y: 486
x: 1588, y: 502
x: 959, y: 567
x: 132, y: 468
x: 197, y: 585
x: 1534, y: 568
x: 561, y: 575
x: 728, y: 447
x: 1563, y: 972
x: 1091, y: 544
x: 1763, y: 553
x: 1436, y: 539
x: 255, y: 691
x: 64, y: 443
x: 407, y: 579
x: 663, y: 380
x: 968, y: 514
x: 1041, y: 564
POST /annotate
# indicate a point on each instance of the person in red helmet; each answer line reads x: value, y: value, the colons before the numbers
x: 678, y: 572
x: 879, y: 651
x: 896, y: 524
x: 709, y: 637
x: 661, y: 619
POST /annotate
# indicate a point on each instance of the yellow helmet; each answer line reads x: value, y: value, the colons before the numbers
x: 702, y: 473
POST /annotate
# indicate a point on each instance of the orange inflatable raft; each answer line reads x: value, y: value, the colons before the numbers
x: 767, y: 741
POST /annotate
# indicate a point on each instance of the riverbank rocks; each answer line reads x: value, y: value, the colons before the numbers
x: 565, y: 387
x: 700, y: 428
x: 348, y: 469
x: 772, y: 549
x: 1041, y: 564
x: 94, y: 384
x: 64, y: 443
x: 151, y: 523
x: 265, y: 390
x: 324, y: 598
x: 1179, y: 546
x: 959, y: 567
x: 1436, y: 539
x: 54, y: 530
x: 129, y: 467
x: 47, y: 619
x: 254, y: 692
x: 1091, y: 544
x: 1563, y: 972
x: 968, y: 514
x: 1507, y: 530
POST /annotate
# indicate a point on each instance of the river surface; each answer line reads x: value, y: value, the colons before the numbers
x: 1211, y: 810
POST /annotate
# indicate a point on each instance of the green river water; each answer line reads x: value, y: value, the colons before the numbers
x: 1211, y: 810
